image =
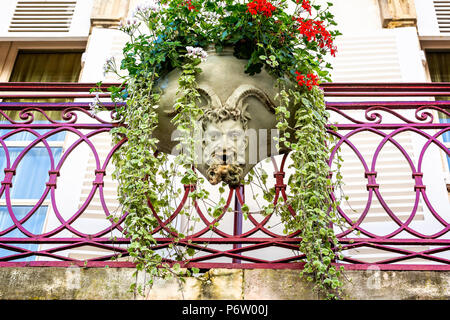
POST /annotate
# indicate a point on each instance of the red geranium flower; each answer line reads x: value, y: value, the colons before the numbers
x: 261, y: 7
x: 188, y: 4
x: 314, y: 30
x: 306, y: 5
x: 309, y: 80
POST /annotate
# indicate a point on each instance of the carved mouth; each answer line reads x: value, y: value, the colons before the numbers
x: 224, y: 157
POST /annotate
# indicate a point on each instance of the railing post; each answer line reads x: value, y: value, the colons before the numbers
x: 237, y: 230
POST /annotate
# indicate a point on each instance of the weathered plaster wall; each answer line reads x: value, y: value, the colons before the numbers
x: 220, y: 284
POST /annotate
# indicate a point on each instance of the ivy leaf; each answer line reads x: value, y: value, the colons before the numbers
x: 190, y: 252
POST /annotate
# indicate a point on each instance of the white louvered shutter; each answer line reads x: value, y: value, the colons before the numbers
x: 374, y: 58
x: 47, y: 18
x: 42, y: 16
x: 433, y: 18
x: 442, y: 8
x: 386, y: 56
x: 367, y: 59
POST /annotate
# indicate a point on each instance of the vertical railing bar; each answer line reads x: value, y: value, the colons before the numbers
x: 238, y: 218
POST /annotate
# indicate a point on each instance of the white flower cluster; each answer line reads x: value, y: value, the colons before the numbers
x: 223, y: 4
x: 109, y: 66
x: 131, y: 22
x: 196, y: 52
x: 146, y: 7
x: 212, y: 18
x: 96, y: 105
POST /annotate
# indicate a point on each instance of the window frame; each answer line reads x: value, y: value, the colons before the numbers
x: 435, y: 45
x: 9, y: 58
x: 7, y: 61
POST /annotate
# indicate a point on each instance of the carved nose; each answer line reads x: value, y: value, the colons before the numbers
x: 224, y: 158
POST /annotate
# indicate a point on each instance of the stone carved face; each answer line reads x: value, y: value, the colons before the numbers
x: 224, y: 146
x: 238, y: 121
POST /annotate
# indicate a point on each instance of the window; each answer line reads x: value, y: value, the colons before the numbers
x: 439, y: 68
x: 31, y: 173
x: 41, y: 66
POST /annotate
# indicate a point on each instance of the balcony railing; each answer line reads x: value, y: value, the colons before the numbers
x: 58, y: 206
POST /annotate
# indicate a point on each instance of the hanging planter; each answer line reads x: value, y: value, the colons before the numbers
x: 222, y: 68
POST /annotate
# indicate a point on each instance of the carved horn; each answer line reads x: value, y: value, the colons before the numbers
x: 236, y: 100
x: 211, y: 97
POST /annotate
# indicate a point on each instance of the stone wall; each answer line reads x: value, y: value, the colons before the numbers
x: 217, y: 284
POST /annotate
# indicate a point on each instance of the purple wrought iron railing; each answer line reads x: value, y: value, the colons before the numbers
x: 377, y: 234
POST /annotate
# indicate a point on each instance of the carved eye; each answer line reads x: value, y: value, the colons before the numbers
x: 235, y: 135
x: 213, y: 136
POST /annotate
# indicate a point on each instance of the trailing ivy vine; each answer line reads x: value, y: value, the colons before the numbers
x: 288, y: 39
x: 310, y: 200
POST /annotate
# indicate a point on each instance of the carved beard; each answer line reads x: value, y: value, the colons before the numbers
x: 228, y: 173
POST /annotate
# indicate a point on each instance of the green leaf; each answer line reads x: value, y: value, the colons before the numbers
x: 190, y: 252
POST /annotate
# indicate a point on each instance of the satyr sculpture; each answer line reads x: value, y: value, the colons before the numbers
x: 224, y: 143
x: 238, y: 122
